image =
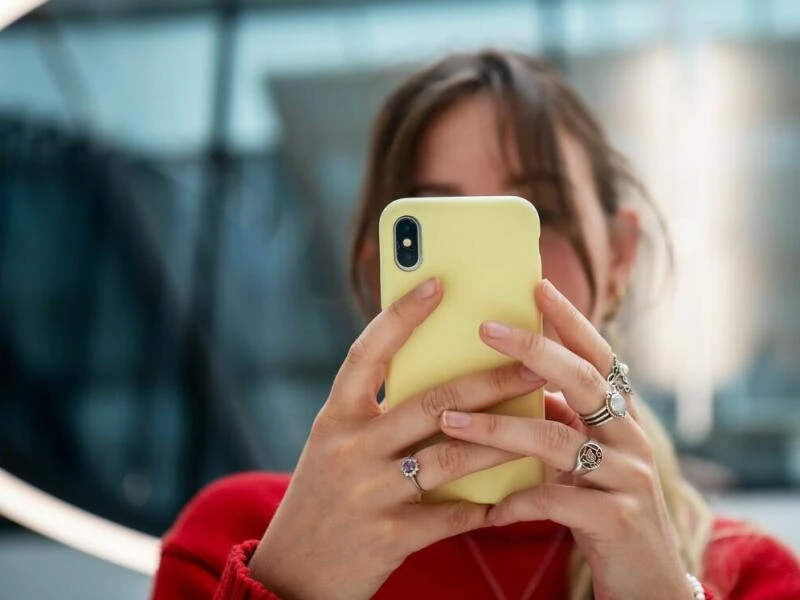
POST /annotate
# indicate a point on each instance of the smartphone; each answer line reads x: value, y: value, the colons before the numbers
x: 485, y: 252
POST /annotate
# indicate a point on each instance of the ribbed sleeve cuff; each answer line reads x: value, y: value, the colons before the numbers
x: 236, y: 583
x: 708, y: 592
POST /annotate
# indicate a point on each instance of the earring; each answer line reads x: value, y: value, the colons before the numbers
x: 615, y: 304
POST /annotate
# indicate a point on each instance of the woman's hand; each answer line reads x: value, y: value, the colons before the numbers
x: 617, y: 513
x: 350, y: 517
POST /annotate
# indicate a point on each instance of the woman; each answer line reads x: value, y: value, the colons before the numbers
x: 348, y: 524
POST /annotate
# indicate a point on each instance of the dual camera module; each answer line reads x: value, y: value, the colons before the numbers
x: 406, y: 243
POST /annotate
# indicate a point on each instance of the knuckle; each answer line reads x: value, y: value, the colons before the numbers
x: 439, y: 399
x: 576, y: 320
x: 505, y: 511
x: 573, y: 313
x: 608, y: 358
x: 452, y: 458
x: 510, y: 509
x: 386, y: 532
x: 493, y: 424
x: 532, y: 343
x: 460, y: 516
x: 558, y: 436
x: 339, y: 452
x: 343, y: 450
x: 641, y: 443
x: 499, y: 379
x: 358, y: 352
x: 326, y: 424
x: 647, y: 453
x: 415, y: 496
x: 642, y: 474
x: 362, y: 492
x: 585, y: 374
x: 395, y: 311
x: 625, y: 513
x: 543, y: 500
x: 319, y: 428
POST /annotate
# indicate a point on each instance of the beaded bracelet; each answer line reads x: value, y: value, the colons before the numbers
x: 697, y: 587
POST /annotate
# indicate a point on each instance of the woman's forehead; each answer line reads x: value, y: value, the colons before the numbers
x: 464, y: 152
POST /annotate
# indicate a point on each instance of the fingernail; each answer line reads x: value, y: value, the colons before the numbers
x: 427, y: 289
x: 456, y: 419
x: 528, y: 375
x: 550, y: 290
x: 493, y: 329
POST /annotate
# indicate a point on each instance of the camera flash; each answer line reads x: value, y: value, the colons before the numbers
x: 407, y: 242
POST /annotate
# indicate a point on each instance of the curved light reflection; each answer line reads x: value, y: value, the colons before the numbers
x: 55, y: 519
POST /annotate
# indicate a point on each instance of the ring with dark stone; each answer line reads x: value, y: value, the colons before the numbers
x: 589, y: 458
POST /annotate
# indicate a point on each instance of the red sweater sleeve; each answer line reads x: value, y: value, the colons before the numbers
x: 772, y: 573
x: 205, y: 554
x: 743, y: 563
x: 236, y: 583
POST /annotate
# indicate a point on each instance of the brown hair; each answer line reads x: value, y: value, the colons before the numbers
x: 532, y: 102
x: 530, y: 98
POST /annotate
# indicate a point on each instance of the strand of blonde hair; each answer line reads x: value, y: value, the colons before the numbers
x: 691, y: 516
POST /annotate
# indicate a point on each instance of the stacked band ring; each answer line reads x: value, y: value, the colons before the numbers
x: 614, y: 407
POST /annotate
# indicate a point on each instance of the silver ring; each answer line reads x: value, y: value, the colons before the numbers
x: 614, y: 407
x: 409, y: 466
x: 618, y: 377
x: 589, y: 458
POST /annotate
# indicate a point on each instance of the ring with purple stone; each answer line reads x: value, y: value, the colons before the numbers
x: 409, y: 466
x: 614, y: 407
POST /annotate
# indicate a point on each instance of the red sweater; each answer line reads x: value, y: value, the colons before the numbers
x: 206, y: 552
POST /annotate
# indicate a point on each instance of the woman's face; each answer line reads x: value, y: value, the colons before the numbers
x: 460, y: 155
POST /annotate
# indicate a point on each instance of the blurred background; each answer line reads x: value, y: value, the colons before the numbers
x: 176, y: 182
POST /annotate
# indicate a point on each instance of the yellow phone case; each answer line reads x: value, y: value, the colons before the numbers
x: 485, y: 252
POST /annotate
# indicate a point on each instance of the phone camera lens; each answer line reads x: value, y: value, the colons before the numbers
x: 406, y: 236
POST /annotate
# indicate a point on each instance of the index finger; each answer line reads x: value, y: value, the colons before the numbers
x: 574, y: 330
x: 418, y: 417
x: 364, y: 368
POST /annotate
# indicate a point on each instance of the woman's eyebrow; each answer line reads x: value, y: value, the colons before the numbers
x: 433, y: 188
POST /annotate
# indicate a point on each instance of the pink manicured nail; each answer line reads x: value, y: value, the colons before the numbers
x: 550, y: 290
x: 456, y: 419
x: 493, y: 329
x: 528, y: 375
x: 427, y: 289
